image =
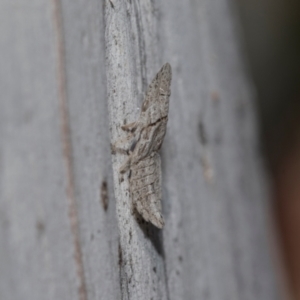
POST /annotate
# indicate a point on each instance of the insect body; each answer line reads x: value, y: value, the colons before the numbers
x: 145, y: 137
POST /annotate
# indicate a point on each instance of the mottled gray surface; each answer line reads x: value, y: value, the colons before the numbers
x: 72, y: 72
x: 36, y: 244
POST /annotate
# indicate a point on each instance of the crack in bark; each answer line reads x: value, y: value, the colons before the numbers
x: 67, y: 148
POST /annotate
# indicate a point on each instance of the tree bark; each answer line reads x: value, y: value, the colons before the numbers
x: 73, y: 72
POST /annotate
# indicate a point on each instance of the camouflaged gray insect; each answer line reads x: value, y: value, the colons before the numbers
x: 145, y: 138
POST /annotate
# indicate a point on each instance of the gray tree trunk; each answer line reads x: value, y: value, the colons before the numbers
x: 74, y: 71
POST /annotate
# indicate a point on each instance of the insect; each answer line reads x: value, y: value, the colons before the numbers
x: 144, y: 139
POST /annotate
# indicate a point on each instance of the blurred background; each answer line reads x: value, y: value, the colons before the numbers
x: 271, y: 30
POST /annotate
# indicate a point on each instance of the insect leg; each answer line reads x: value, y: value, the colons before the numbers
x: 130, y: 127
x: 126, y: 166
x: 122, y: 146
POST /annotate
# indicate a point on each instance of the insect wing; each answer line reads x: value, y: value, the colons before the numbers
x: 145, y: 186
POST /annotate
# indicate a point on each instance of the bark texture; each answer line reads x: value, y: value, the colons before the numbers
x: 72, y: 73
